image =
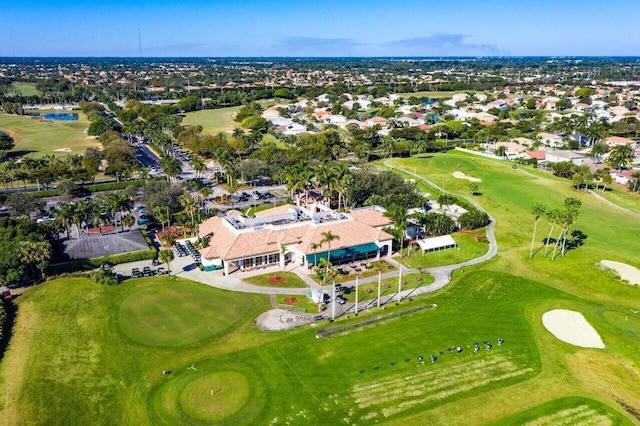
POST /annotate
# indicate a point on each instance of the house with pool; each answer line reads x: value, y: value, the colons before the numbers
x: 293, y: 234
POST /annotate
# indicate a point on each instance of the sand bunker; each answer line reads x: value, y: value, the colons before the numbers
x: 626, y: 272
x: 460, y: 175
x: 62, y: 150
x: 571, y: 327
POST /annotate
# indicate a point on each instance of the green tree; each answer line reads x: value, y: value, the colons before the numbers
x: 328, y: 237
x: 620, y: 156
x: 166, y: 256
x: 398, y: 215
x: 537, y: 211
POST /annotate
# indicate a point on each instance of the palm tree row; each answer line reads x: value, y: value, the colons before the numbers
x: 332, y: 178
x: 82, y: 212
x: 562, y: 218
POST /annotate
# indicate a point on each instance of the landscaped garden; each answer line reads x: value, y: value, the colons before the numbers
x: 276, y: 279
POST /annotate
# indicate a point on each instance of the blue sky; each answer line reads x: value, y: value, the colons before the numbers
x: 319, y: 28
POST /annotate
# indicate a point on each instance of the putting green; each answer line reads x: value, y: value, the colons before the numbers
x: 176, y: 314
x: 215, y: 396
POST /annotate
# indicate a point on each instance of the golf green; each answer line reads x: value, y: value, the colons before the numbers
x: 176, y: 314
x: 215, y: 396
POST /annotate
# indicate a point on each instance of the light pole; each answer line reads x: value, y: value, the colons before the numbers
x: 333, y: 301
x: 379, y: 282
x: 399, y: 283
x: 357, y: 275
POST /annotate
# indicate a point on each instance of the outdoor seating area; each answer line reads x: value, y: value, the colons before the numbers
x: 354, y: 267
x: 258, y: 267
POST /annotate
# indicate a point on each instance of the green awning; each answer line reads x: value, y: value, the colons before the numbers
x: 345, y: 253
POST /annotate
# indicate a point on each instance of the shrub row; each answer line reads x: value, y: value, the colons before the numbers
x: 95, y: 187
x: 3, y: 319
x: 96, y: 262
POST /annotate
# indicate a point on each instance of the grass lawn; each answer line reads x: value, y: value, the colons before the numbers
x: 468, y: 248
x: 621, y: 196
x: 286, y: 279
x: 214, y: 121
x: 369, y: 291
x: 73, y: 358
x: 301, y: 302
x: 35, y: 138
x: 24, y: 89
x: 245, y: 376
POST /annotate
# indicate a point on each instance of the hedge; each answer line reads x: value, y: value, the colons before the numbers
x: 96, y: 187
x: 96, y: 262
x: 3, y: 319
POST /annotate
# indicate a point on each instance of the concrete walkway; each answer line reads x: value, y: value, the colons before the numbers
x: 612, y: 204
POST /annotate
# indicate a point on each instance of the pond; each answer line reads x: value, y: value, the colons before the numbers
x: 60, y: 116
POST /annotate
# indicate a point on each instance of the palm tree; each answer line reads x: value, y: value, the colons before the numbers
x: 538, y: 210
x: 328, y: 237
x: 190, y: 206
x: 166, y: 256
x: 197, y: 165
x: 162, y: 214
x: 597, y: 151
x: 171, y: 167
x: 620, y: 156
x: 552, y: 218
x: 64, y: 213
x: 128, y: 221
x: 315, y: 247
x: 398, y: 215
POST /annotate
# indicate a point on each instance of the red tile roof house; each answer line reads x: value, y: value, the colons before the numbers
x: 242, y: 243
x: 613, y: 141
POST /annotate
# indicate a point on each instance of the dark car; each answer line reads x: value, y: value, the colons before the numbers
x: 338, y: 288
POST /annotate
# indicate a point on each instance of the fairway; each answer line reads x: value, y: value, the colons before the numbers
x: 165, y: 351
x: 214, y: 121
x: 36, y: 138
x: 178, y: 314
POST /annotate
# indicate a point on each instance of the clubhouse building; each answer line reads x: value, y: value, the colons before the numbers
x: 291, y: 233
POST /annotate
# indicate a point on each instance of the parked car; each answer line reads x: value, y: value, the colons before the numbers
x: 340, y: 299
x: 338, y: 288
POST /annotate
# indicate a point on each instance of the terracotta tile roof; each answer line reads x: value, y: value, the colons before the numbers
x: 371, y: 217
x: 538, y: 155
x: 274, y: 211
x: 230, y: 245
x: 617, y: 140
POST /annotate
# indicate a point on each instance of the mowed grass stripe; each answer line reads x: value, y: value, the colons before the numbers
x: 401, y: 392
x: 581, y: 415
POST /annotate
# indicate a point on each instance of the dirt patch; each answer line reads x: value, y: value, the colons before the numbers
x: 460, y: 175
x: 290, y: 300
x: 276, y: 279
x: 282, y: 319
x: 62, y: 150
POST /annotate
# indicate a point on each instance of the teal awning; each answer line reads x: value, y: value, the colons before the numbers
x: 345, y: 253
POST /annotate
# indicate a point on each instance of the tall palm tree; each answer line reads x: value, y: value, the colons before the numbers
x: 552, y: 217
x: 190, y: 206
x: 198, y: 166
x: 398, y: 215
x: 171, y: 167
x: 537, y: 211
x: 328, y: 237
x: 597, y: 151
x: 166, y: 256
